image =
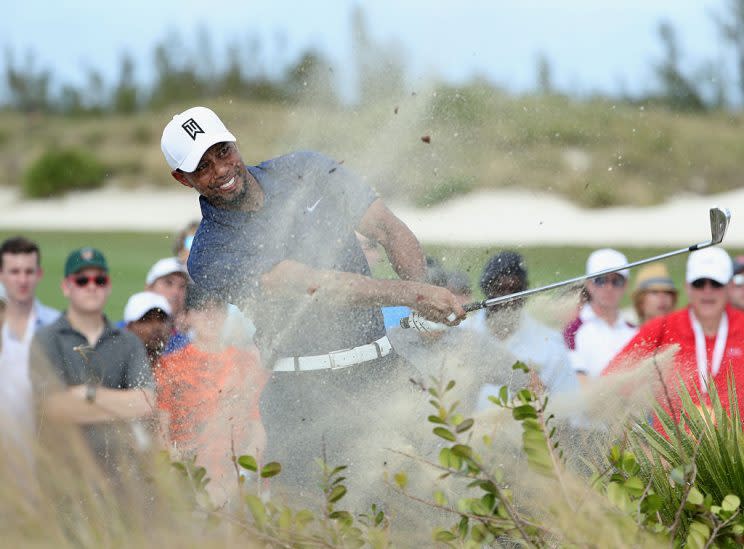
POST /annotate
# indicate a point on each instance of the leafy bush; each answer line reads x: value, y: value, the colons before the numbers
x: 697, y: 468
x: 440, y: 191
x: 682, y: 490
x: 61, y: 170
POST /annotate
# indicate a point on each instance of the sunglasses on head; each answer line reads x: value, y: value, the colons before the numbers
x: 616, y: 281
x: 82, y: 281
x: 700, y: 283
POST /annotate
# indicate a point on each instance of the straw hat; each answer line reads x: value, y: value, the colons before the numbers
x: 654, y: 277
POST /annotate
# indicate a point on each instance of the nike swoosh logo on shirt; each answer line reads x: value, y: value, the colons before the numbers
x: 311, y: 208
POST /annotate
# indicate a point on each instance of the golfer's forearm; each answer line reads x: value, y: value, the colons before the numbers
x: 293, y: 279
x: 109, y: 405
x: 401, y: 246
x: 405, y: 254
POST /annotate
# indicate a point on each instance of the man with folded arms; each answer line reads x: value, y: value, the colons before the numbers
x: 279, y: 240
x: 87, y: 372
x: 709, y: 333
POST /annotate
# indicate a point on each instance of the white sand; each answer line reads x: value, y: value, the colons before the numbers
x: 497, y: 217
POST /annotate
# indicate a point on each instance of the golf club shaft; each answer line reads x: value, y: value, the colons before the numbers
x: 719, y: 222
x: 511, y: 297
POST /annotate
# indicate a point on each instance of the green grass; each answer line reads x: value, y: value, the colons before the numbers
x: 130, y: 255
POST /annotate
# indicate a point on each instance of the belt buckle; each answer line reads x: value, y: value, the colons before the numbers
x: 333, y: 360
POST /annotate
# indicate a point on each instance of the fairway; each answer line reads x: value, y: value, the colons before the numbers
x: 131, y: 254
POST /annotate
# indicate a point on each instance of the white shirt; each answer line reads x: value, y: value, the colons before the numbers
x: 592, y: 342
x: 15, y: 382
x: 537, y: 346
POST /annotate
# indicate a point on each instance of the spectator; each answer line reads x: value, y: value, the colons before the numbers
x: 599, y: 332
x: 709, y: 333
x: 458, y: 283
x: 169, y: 277
x: 3, y: 303
x: 20, y: 273
x: 736, y: 289
x: 184, y: 239
x: 518, y: 331
x: 654, y: 294
x: 148, y: 316
x: 87, y: 372
x: 211, y: 392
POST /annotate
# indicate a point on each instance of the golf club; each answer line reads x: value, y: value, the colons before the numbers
x: 719, y: 222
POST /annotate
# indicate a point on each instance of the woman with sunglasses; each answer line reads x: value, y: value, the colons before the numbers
x: 599, y: 331
x: 709, y: 333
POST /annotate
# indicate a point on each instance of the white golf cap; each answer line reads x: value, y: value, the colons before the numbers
x: 164, y: 267
x: 142, y: 303
x: 187, y: 137
x: 606, y: 258
x: 713, y: 263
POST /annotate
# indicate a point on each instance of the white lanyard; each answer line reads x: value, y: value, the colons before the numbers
x: 701, y: 352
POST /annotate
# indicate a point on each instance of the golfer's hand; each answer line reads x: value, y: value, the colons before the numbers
x: 438, y: 305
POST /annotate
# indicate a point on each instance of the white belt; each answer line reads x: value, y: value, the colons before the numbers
x: 335, y: 360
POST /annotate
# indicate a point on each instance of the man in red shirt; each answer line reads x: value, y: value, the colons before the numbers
x: 709, y: 333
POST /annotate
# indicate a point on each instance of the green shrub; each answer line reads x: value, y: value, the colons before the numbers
x: 441, y: 191
x: 58, y: 171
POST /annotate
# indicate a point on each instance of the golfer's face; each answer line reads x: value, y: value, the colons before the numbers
x: 220, y: 176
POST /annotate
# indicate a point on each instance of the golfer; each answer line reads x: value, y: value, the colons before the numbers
x: 279, y: 240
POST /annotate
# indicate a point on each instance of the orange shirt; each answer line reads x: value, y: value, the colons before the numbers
x: 209, y: 393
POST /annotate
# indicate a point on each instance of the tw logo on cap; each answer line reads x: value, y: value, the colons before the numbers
x: 192, y: 128
x: 86, y: 254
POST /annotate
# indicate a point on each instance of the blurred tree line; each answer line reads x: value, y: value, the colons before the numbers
x: 183, y: 76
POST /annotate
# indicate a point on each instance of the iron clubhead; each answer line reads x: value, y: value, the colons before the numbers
x: 719, y: 222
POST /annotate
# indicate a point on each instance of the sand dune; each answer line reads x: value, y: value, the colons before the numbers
x: 510, y: 217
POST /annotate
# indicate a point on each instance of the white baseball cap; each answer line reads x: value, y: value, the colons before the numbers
x: 187, y: 137
x: 142, y: 303
x: 164, y: 267
x: 606, y: 258
x: 713, y: 263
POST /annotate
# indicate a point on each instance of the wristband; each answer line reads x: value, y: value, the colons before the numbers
x: 90, y: 393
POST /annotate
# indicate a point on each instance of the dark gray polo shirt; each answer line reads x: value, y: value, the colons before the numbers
x: 117, y: 361
x: 312, y: 206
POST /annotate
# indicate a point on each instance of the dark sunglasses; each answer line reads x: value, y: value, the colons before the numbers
x: 616, y: 281
x: 700, y: 283
x: 81, y: 281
